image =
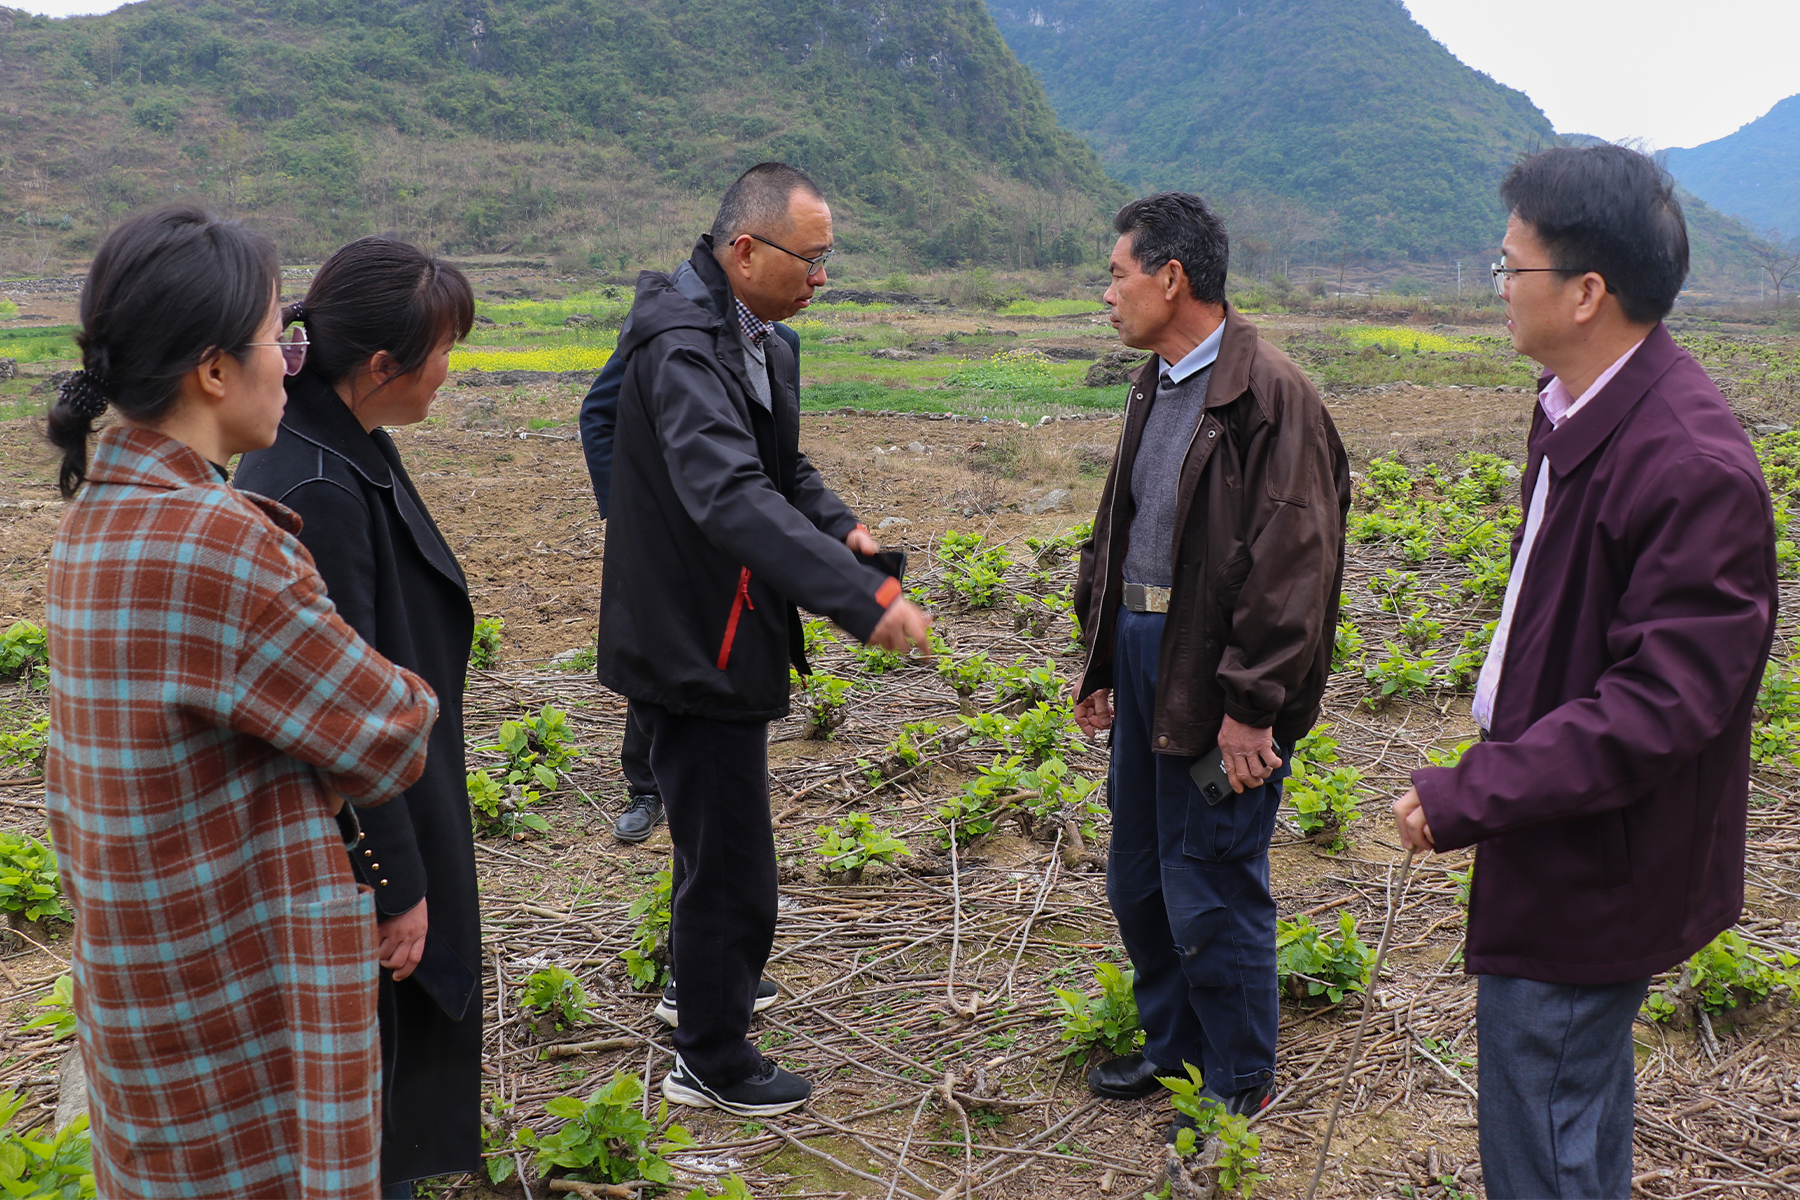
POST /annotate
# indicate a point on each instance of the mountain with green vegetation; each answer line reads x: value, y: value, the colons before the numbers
x: 600, y: 132
x: 1325, y: 126
x: 1753, y: 174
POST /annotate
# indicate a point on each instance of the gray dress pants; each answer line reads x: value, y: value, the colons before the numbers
x: 1557, y: 1088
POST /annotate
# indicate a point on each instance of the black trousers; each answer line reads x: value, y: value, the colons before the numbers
x: 634, y: 754
x: 715, y: 790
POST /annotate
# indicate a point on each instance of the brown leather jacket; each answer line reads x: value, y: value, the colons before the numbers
x: 1258, y: 552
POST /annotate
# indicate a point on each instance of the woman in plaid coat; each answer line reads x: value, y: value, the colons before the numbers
x: 209, y: 710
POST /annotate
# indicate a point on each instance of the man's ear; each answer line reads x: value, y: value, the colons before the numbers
x: 1591, y: 298
x: 739, y: 252
x: 1173, y: 278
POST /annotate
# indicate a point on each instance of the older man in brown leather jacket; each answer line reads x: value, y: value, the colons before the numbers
x: 1208, y: 599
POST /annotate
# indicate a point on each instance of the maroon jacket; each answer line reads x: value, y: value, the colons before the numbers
x: 1610, y: 800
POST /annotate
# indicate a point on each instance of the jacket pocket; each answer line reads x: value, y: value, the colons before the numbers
x: 1615, y: 850
x: 1230, y: 582
x: 1236, y: 828
x: 739, y: 603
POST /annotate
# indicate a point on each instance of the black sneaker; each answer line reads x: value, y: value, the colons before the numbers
x: 768, y: 1092
x: 644, y: 813
x: 766, y: 991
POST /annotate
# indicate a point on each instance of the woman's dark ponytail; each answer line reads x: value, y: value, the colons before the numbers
x: 80, y: 401
x: 168, y: 289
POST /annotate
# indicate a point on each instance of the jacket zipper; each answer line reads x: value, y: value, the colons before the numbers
x: 739, y: 603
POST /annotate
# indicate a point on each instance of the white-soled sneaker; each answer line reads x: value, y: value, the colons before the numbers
x: 666, y: 1012
x: 769, y: 1091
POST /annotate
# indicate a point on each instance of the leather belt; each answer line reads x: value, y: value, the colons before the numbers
x: 1143, y: 598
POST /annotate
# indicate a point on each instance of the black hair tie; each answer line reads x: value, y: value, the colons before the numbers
x: 297, y: 312
x: 85, y: 394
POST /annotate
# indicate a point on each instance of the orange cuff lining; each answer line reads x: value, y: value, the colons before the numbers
x: 888, y: 592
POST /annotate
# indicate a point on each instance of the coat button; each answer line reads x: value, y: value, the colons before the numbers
x: 1212, y: 433
x: 368, y: 854
x: 1163, y: 740
x: 374, y: 866
x: 384, y: 883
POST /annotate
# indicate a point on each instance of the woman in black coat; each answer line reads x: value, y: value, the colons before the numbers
x: 381, y: 317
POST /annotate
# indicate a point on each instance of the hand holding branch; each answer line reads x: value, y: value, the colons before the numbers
x: 1409, y: 819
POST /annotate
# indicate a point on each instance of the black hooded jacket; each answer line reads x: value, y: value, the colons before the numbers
x: 718, y: 525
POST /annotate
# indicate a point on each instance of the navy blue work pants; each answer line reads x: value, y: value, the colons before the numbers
x: 1189, y: 885
x: 1557, y: 1087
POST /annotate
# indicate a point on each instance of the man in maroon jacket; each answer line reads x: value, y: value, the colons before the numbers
x: 1609, y: 791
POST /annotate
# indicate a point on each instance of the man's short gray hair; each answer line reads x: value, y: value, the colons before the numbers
x: 758, y: 202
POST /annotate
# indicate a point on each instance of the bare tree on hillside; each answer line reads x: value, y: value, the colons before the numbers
x: 1271, y: 229
x: 1778, y: 260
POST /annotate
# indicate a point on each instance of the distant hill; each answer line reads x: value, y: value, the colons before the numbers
x: 1753, y: 174
x: 599, y: 131
x: 1335, y: 124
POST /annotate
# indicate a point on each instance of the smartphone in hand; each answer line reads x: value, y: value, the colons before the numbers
x: 1209, y: 775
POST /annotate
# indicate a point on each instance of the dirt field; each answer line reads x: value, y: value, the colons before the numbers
x: 934, y: 976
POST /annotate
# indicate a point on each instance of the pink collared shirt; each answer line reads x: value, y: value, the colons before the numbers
x: 1559, y: 407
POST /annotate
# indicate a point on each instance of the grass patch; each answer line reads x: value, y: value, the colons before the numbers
x: 50, y: 343
x: 1053, y: 308
x: 1013, y: 371
x: 1023, y: 404
x: 831, y: 306
x: 19, y: 404
x: 607, y: 306
x: 1365, y: 355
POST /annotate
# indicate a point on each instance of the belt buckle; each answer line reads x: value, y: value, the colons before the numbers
x: 1145, y: 598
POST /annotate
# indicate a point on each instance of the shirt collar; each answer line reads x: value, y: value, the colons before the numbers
x: 1555, y: 399
x: 755, y: 328
x: 1201, y: 356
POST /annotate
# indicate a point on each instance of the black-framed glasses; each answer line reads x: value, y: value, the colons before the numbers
x: 1503, y: 274
x: 293, y: 350
x: 813, y: 265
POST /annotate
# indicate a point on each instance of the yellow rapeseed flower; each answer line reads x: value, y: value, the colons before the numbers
x: 548, y: 358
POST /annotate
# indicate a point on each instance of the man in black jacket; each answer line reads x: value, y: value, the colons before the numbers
x: 717, y: 527
x: 599, y: 419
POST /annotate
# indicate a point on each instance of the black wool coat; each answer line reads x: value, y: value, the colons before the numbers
x: 396, y: 582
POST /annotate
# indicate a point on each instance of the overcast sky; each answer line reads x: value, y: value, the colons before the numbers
x: 1671, y: 72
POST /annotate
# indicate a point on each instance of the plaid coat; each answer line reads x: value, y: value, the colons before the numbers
x: 204, y: 694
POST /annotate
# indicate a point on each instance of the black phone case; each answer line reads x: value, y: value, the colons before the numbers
x: 1209, y: 776
x: 892, y: 562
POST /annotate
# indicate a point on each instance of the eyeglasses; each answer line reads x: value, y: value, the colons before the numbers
x: 293, y: 350
x: 1503, y: 274
x: 813, y: 265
